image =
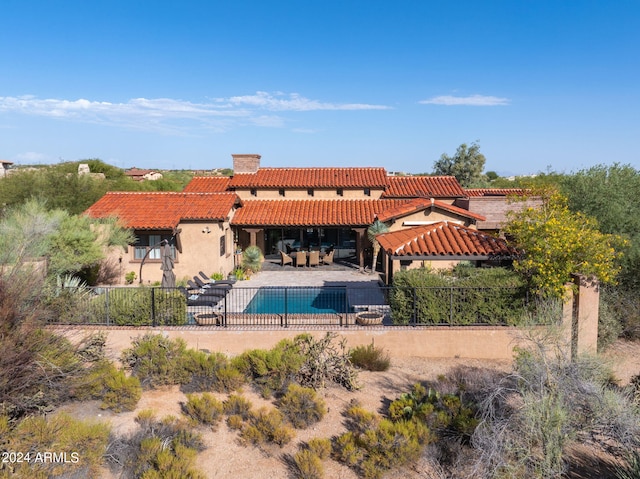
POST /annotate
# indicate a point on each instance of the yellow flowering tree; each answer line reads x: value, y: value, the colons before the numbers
x: 556, y: 242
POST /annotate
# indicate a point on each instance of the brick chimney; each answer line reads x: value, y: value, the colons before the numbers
x: 246, y: 163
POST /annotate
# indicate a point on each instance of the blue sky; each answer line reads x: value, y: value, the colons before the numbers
x: 185, y: 84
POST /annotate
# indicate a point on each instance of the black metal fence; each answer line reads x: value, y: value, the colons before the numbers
x: 336, y: 306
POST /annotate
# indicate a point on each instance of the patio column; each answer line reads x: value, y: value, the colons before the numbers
x: 253, y: 232
x: 361, y: 232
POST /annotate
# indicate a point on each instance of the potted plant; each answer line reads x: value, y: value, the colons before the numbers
x: 369, y: 318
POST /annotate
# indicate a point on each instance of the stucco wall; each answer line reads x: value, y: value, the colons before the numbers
x: 434, y: 342
x: 200, y: 252
x: 302, y: 194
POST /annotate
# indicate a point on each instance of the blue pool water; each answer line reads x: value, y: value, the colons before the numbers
x: 298, y: 301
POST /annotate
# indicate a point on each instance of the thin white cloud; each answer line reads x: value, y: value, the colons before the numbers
x: 473, y: 100
x: 294, y: 102
x: 177, y: 116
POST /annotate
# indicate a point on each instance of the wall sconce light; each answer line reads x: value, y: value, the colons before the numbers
x: 206, y: 230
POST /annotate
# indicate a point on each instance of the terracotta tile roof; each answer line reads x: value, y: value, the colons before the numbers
x: 320, y: 212
x: 443, y: 239
x: 419, y: 204
x: 311, y: 178
x: 207, y: 184
x: 163, y: 210
x: 478, y: 192
x: 423, y: 186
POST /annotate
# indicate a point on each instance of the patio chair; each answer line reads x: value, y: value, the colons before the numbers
x: 328, y: 258
x: 301, y: 258
x: 314, y: 258
x: 285, y: 258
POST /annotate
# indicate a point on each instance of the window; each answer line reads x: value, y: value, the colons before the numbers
x: 151, y: 243
x: 254, y: 192
x: 339, y: 191
x: 223, y: 245
x: 310, y: 192
x: 281, y: 191
x: 367, y: 191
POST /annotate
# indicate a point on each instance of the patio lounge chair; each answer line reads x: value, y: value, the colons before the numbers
x: 314, y: 258
x: 205, y: 277
x: 301, y: 258
x: 201, y: 299
x: 193, y: 285
x: 328, y: 258
x: 285, y: 258
x: 208, y: 281
x: 210, y: 287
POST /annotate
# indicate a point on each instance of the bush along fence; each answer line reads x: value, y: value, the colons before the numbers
x: 335, y: 306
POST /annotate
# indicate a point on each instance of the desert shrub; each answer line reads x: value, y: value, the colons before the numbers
x: 136, y: 306
x: 273, y: 369
x: 480, y: 295
x: 92, y: 348
x: 359, y: 419
x: 325, y: 360
x: 235, y: 421
x: 210, y: 372
x: 36, y: 368
x: 308, y: 465
x: 156, y: 360
x: 634, y: 385
x: 621, y: 305
x: 83, y: 443
x: 630, y: 470
x: 104, y: 381
x: 236, y: 405
x: 370, y: 357
x: 252, y: 259
x: 321, y: 447
x: 373, y: 445
x: 609, y: 325
x: 560, y: 398
x: 159, y: 449
x: 204, y: 409
x: 229, y: 379
x: 301, y: 406
x: 389, y: 445
x: 266, y: 426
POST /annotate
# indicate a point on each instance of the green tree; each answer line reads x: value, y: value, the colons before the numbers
x: 71, y: 243
x: 610, y: 194
x: 557, y: 243
x: 378, y: 227
x: 466, y: 165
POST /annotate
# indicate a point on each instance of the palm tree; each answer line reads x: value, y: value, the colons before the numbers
x: 378, y: 227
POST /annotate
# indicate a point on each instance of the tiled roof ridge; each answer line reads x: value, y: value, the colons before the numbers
x: 315, y: 168
x: 170, y: 193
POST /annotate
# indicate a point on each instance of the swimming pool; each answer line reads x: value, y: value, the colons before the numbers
x: 298, y: 301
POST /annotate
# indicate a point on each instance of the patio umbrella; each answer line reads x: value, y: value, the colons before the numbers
x: 168, y: 276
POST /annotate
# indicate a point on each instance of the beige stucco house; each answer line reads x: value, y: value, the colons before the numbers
x: 279, y: 209
x: 196, y: 225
